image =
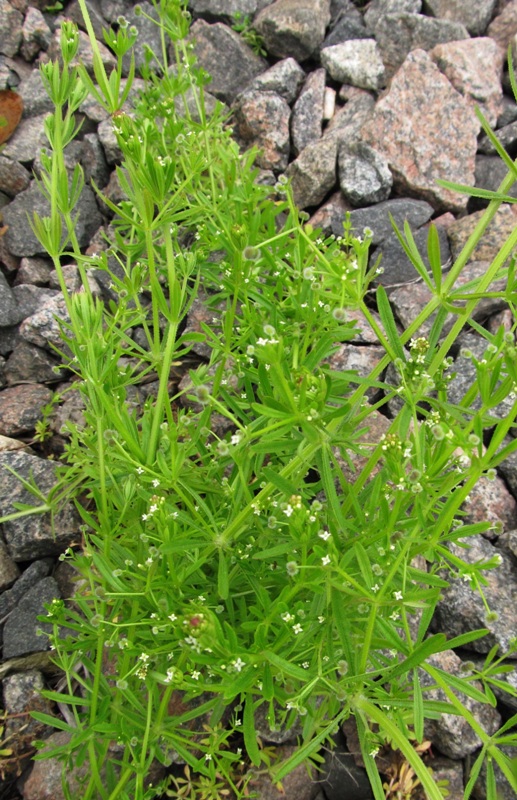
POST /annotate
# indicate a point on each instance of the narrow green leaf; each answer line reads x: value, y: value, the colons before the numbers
x: 250, y: 734
x: 434, y: 256
x: 285, y: 666
x: 418, y: 707
x: 388, y: 321
x: 222, y: 576
x: 369, y: 760
x: 54, y: 722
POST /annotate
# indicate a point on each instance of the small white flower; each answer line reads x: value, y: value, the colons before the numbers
x: 324, y: 535
x: 235, y: 439
x: 297, y: 628
x: 397, y: 595
x: 325, y: 560
x: 287, y: 617
x: 238, y: 664
x: 173, y: 617
x: 195, y: 675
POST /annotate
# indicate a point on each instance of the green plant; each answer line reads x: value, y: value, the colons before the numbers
x: 228, y: 564
x: 243, y: 25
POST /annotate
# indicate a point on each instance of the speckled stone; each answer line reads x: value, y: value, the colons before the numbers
x: 474, y: 15
x: 493, y: 238
x: 261, y: 120
x: 426, y: 131
x: 20, y: 408
x: 293, y: 27
x: 307, y: 115
x: 503, y: 26
x: 491, y: 501
x: 313, y: 173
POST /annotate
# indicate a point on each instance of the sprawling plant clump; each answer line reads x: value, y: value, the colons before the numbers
x: 234, y: 557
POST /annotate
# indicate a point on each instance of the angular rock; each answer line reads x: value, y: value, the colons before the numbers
x: 22, y: 628
x: 503, y: 27
x: 36, y: 535
x: 450, y: 773
x: 474, y: 67
x: 295, y: 785
x: 379, y: 8
x: 35, y: 99
x: 507, y: 135
x: 348, y: 25
x: 42, y: 328
x: 343, y: 777
x: 36, y: 34
x: 9, y: 311
x: 34, y: 573
x: 426, y: 131
x: 27, y: 139
x: 399, y: 34
x: 490, y: 173
x: 313, y: 173
x: 504, y: 790
x: 345, y: 126
x: 20, y: 238
x: 285, y: 78
x: 33, y: 271
x: 85, y: 52
x: 9, y: 570
x: 359, y: 360
x: 395, y: 264
x: 30, y: 364
x: 451, y: 734
x: 22, y: 694
x: 29, y: 299
x: 491, y: 501
x: 364, y: 175
x: 231, y: 73
x: 357, y: 62
x: 307, y: 116
x: 377, y: 218
x: 149, y: 35
x: 14, y: 178
x: 474, y: 16
x: 461, y: 609
x: 261, y: 119
x: 11, y: 22
x: 223, y: 10
x: 330, y: 216
x: 20, y: 408
x: 493, y: 238
x: 293, y: 27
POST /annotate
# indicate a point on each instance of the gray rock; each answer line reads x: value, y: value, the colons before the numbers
x: 42, y: 328
x: 36, y: 535
x: 14, y: 178
x: 506, y: 135
x: 35, y: 572
x: 474, y: 67
x: 461, y: 609
x: 27, y: 139
x: 357, y: 62
x: 84, y: 53
x: 21, y: 408
x: 343, y: 778
x: 349, y: 25
x: 313, y: 173
x: 9, y: 570
x: 451, y: 734
x: 396, y: 266
x: 20, y: 238
x: 359, y: 360
x: 36, y: 34
x: 307, y: 116
x: 33, y: 271
x: 474, y: 16
x: 379, y: 8
x: 11, y: 22
x: 261, y: 119
x: 293, y: 27
x: 108, y: 140
x: 285, y: 78
x: 94, y: 161
x: 36, y: 101
x: 364, y: 175
x: 30, y: 364
x: 22, y: 630
x: 223, y: 10
x: 149, y: 36
x: 377, y: 218
x: 398, y: 34
x: 232, y: 73
x: 74, y: 13
x: 497, y: 232
x: 22, y: 694
x: 426, y: 131
x: 490, y: 173
x: 30, y: 299
x: 508, y: 113
x: 508, y: 469
x: 345, y: 126
x: 9, y: 312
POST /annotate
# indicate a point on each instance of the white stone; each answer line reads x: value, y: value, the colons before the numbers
x: 356, y: 61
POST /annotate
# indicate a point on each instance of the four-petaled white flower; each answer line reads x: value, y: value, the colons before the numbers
x: 397, y: 595
x: 297, y: 628
x: 325, y: 560
x: 238, y: 664
x: 195, y: 675
x: 324, y: 535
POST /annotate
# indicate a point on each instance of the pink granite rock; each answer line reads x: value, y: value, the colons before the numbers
x: 474, y: 67
x: 427, y: 131
x: 504, y: 26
